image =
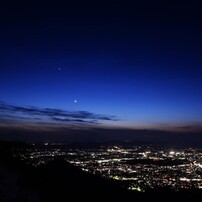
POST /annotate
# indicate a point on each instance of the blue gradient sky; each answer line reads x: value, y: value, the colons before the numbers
x: 140, y: 62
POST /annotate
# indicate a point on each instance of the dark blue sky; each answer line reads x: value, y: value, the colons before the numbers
x: 139, y: 63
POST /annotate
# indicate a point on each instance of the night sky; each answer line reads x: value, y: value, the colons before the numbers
x: 113, y: 67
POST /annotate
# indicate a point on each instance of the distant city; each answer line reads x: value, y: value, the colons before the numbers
x: 139, y: 168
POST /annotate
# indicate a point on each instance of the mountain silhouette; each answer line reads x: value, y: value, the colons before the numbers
x: 61, y: 181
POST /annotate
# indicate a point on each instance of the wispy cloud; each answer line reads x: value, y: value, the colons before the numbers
x: 8, y: 111
x: 197, y: 126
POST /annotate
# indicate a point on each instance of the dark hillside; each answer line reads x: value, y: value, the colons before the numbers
x: 60, y: 181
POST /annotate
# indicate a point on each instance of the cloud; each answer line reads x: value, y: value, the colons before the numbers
x: 8, y: 111
x: 75, y: 120
x: 191, y: 127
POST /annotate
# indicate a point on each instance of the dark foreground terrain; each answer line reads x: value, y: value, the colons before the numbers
x: 61, y: 181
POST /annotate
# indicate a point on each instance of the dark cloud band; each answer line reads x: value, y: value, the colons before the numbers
x: 36, y: 113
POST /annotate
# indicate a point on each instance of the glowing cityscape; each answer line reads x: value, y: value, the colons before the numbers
x: 139, y: 168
